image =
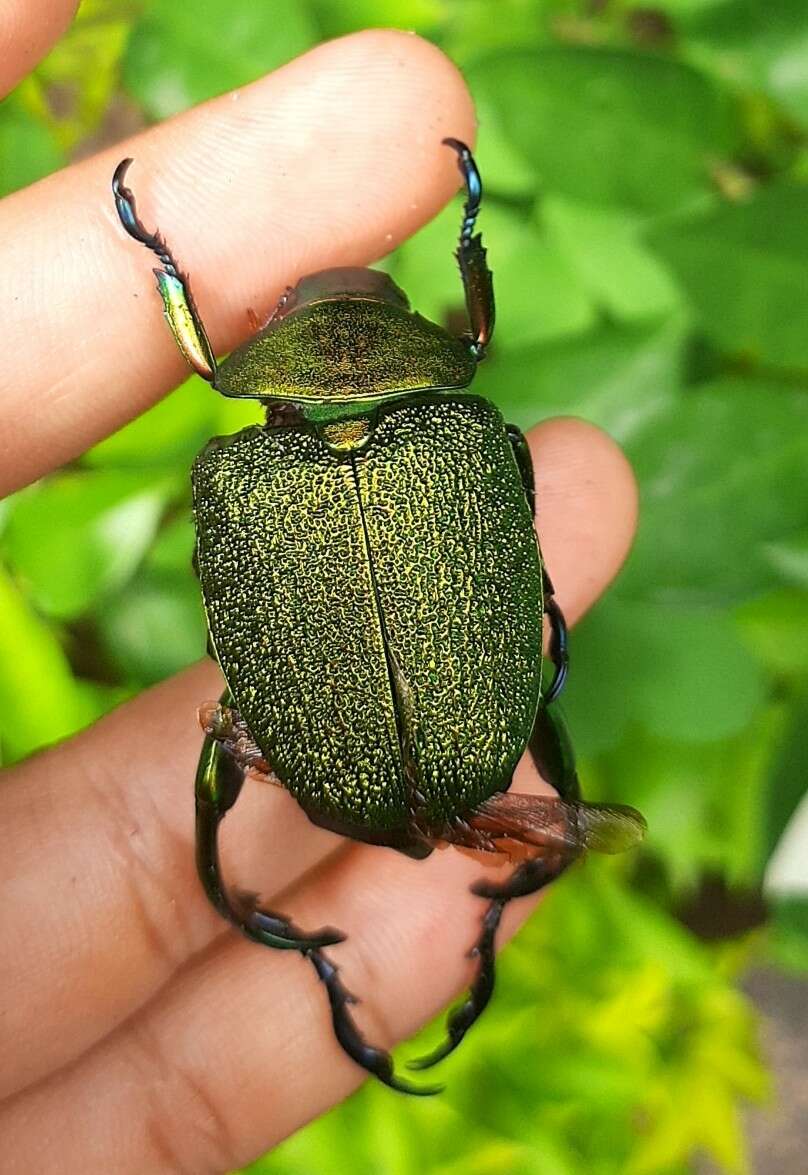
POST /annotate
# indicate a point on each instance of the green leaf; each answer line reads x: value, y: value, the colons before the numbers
x: 742, y: 268
x: 619, y: 378
x: 605, y: 250
x: 173, y: 548
x: 77, y: 536
x: 79, y: 77
x: 788, y: 944
x: 611, y: 127
x: 170, y: 434
x: 538, y: 295
x: 752, y: 44
x: 28, y: 148
x: 179, y: 54
x: 680, y: 671
x: 789, y: 778
x: 336, y: 19
x: 775, y: 627
x: 155, y: 626
x: 789, y: 558
x: 705, y: 802
x: 40, y: 702
x: 506, y: 172
x: 722, y: 474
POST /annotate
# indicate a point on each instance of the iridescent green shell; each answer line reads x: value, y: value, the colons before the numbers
x: 345, y: 335
x: 377, y: 613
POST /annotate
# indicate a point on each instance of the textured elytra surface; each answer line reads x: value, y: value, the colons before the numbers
x: 378, y: 617
x: 459, y: 583
x: 346, y: 348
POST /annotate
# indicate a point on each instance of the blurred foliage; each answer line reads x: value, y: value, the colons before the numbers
x: 647, y: 218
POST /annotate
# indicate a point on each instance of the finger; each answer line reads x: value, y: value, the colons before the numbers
x: 27, y: 32
x: 332, y: 160
x: 102, y: 898
x: 584, y: 508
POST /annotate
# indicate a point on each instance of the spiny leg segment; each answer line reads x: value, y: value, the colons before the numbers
x: 527, y: 878
x: 228, y: 754
x: 559, y: 643
x: 478, y: 281
x: 558, y: 830
x: 219, y: 779
x: 178, y: 303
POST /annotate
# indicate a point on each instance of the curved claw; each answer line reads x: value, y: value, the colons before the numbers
x: 376, y: 1061
x: 438, y: 1054
x: 462, y: 1017
x: 127, y: 213
x: 471, y: 178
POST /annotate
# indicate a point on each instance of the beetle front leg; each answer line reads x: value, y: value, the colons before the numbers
x: 559, y: 644
x: 555, y: 831
x: 178, y: 303
x: 478, y: 281
x: 219, y: 779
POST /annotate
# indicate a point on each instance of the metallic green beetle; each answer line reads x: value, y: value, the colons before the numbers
x: 375, y: 595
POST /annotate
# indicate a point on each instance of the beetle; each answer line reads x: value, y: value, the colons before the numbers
x: 375, y: 597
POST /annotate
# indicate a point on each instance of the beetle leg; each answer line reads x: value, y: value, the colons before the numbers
x: 376, y: 1061
x: 528, y: 878
x: 224, y: 724
x: 559, y: 645
x: 551, y: 750
x: 559, y: 642
x: 524, y: 461
x: 219, y: 779
x: 478, y: 281
x: 178, y: 303
x: 227, y: 754
x: 554, y: 831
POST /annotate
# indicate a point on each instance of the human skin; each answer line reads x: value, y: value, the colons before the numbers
x: 138, y: 1032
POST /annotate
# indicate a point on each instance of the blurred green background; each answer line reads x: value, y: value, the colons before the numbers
x: 646, y: 171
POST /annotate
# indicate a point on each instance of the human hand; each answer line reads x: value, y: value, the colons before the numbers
x: 139, y: 1033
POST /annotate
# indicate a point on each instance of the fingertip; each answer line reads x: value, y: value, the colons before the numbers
x: 27, y: 32
x: 587, y: 506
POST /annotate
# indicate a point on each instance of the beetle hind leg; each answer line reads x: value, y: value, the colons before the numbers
x: 228, y: 755
x: 528, y: 878
x: 550, y: 833
x: 219, y: 780
x: 374, y: 1060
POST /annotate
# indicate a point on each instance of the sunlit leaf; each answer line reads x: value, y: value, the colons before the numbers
x: 155, y: 626
x: 608, y: 126
x: 742, y: 267
x: 722, y: 474
x: 171, y: 433
x: 757, y: 45
x: 181, y: 54
x: 40, y: 702
x: 606, y: 251
x: 80, y: 535
x: 28, y: 148
x: 538, y: 295
x: 618, y: 378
